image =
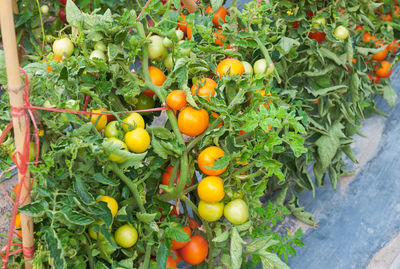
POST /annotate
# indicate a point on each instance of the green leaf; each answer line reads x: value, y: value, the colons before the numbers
x: 261, y: 243
x: 161, y: 132
x: 222, y: 237
x: 271, y: 261
x: 74, y: 15
x: 35, y: 209
x: 162, y: 256
x: 75, y: 217
x: 55, y: 248
x: 134, y: 160
x: 177, y: 234
x: 390, y: 95
x: 325, y: 91
x: 331, y: 55
x: 145, y: 217
x: 299, y: 212
x: 287, y: 43
x: 82, y: 191
x: 236, y: 249
x: 103, y: 180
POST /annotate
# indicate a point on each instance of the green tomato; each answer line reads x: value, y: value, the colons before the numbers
x: 270, y: 69
x: 341, y: 32
x: 114, y: 157
x: 179, y: 34
x: 107, y: 247
x: 112, y: 129
x: 318, y: 21
x: 44, y: 9
x: 99, y: 54
x: 248, y: 69
x: 167, y: 42
x: 144, y: 102
x: 168, y: 62
x: 156, y: 48
x: 63, y: 47
x: 260, y: 66
x: 236, y: 211
x: 100, y: 46
x: 126, y: 236
x: 96, y: 235
x: 210, y: 211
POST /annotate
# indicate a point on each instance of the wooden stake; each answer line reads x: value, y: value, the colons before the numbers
x: 15, y: 91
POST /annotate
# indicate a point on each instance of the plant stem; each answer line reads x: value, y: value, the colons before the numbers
x: 41, y: 24
x: 147, y: 255
x: 195, y: 141
x: 132, y: 186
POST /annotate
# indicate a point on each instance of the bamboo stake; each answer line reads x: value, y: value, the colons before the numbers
x: 15, y: 91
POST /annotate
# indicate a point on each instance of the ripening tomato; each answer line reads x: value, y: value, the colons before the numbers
x: 176, y: 99
x: 196, y: 251
x: 126, y: 236
x: 207, y: 158
x: 144, y: 102
x: 234, y: 66
x: 393, y: 46
x: 138, y: 140
x: 166, y: 176
x: 111, y: 204
x: 204, y: 88
x: 182, y: 24
x: 210, y: 211
x: 96, y: 235
x: 220, y: 14
x: 115, y: 157
x: 374, y: 79
x: 134, y: 120
x: 193, y: 122
x: 248, y: 69
x: 359, y: 28
x: 178, y: 245
x: 112, y: 129
x: 44, y: 9
x: 63, y: 47
x: 318, y: 36
x: 383, y: 69
x: 101, y: 122
x: 367, y: 37
x: 219, y: 38
x: 177, y: 255
x: 236, y: 211
x: 157, y: 76
x: 62, y: 15
x: 387, y: 17
x: 211, y: 189
x: 216, y: 116
x: 379, y: 56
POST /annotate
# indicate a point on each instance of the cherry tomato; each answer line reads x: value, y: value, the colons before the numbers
x: 63, y: 47
x: 236, y: 211
x: 44, y: 9
x: 111, y: 204
x: 196, y: 251
x: 63, y: 1
x: 219, y: 14
x: 138, y: 140
x: 374, y: 79
x: 134, y: 120
x: 126, y: 236
x: 156, y: 48
x: 367, y: 37
x: 210, y: 211
x: 171, y: 263
x: 177, y: 255
x: 341, y: 32
x: 248, y: 69
x: 18, y: 221
x: 318, y: 21
x: 176, y: 244
x: 211, y: 189
x: 169, y: 62
x: 382, y: 54
x: 234, y: 66
x: 260, y: 66
x: 62, y: 15
x: 207, y: 158
x: 318, y: 36
x: 383, y: 69
x: 204, y: 88
x: 114, y: 157
x: 144, y: 102
x: 102, y: 122
x: 393, y: 46
x: 112, y: 130
x: 193, y: 122
x: 100, y: 46
x: 176, y: 99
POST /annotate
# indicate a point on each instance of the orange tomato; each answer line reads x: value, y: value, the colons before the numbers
x: 393, y: 46
x: 211, y: 189
x: 359, y: 28
x: 380, y: 55
x: 182, y: 24
x: 176, y: 244
x: 207, y: 158
x: 374, y: 79
x: 367, y: 37
x: 178, y: 256
x: 215, y: 115
x: 157, y: 76
x: 397, y: 10
x: 204, y: 88
x: 196, y: 251
x: 166, y: 176
x: 18, y: 221
x: 220, y: 14
x: 234, y: 66
x: 383, y: 69
x: 193, y: 122
x: 176, y: 99
x: 171, y: 263
x: 387, y: 17
x: 15, y: 190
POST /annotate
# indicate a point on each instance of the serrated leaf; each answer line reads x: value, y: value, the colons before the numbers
x: 222, y: 237
x: 35, y: 209
x: 162, y: 256
x: 103, y: 180
x: 75, y: 217
x: 55, y: 248
x: 261, y: 243
x: 236, y: 249
x: 271, y: 261
x: 145, y: 217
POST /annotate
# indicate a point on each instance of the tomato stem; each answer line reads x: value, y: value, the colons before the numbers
x: 195, y: 141
x: 132, y: 186
x: 147, y: 255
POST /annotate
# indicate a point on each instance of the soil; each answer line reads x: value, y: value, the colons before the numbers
x: 6, y: 208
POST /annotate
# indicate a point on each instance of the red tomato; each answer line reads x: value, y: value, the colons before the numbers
x: 178, y: 245
x: 196, y: 251
x: 318, y: 36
